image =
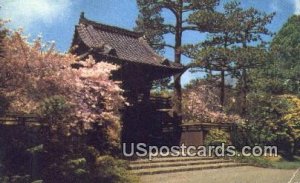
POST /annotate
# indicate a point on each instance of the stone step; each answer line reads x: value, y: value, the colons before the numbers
x: 150, y: 164
x: 174, y: 169
x: 171, y: 159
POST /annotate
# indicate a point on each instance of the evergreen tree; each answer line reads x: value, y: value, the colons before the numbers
x: 281, y: 74
x: 155, y: 27
x: 3, y: 33
x: 214, y: 54
x: 235, y: 46
x: 286, y: 58
x: 251, y: 52
x: 150, y: 22
x: 289, y: 34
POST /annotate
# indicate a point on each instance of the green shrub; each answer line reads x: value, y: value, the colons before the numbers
x: 273, y: 162
x: 55, y: 111
x: 104, y: 169
x: 287, y: 164
x: 54, y: 108
x: 272, y: 120
x: 216, y: 137
x: 255, y: 161
x: 109, y: 169
x: 85, y: 165
x: 16, y: 179
x: 75, y: 170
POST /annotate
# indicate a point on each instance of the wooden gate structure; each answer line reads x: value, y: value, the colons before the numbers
x: 147, y: 119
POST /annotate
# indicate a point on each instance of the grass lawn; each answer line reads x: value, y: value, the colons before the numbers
x: 271, y: 162
x: 285, y: 164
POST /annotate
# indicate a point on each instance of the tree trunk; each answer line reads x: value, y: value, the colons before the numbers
x: 177, y: 78
x: 244, y: 93
x: 177, y: 95
x: 244, y: 83
x: 222, y: 94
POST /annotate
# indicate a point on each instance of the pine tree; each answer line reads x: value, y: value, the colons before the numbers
x: 286, y: 52
x: 228, y: 50
x: 3, y: 33
x: 155, y: 27
x: 251, y: 53
x: 214, y: 54
x: 281, y: 75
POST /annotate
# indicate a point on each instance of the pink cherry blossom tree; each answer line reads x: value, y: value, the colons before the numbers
x: 201, y: 104
x: 33, y: 72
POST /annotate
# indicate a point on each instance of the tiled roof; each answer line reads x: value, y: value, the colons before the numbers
x: 117, y: 43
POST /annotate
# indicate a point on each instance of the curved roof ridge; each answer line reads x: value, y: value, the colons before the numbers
x: 110, y: 28
x: 129, y: 46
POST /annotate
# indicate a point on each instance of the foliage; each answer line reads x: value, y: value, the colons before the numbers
x: 201, y: 104
x: 286, y: 164
x: 272, y: 120
x: 104, y: 169
x: 289, y: 34
x: 109, y: 169
x: 273, y: 103
x: 53, y: 110
x: 153, y: 24
x: 16, y: 179
x: 35, y: 76
x: 227, y: 50
x: 3, y: 32
x: 151, y: 21
x: 90, y: 168
x: 281, y: 74
x: 162, y: 93
x: 17, y: 153
x: 262, y: 125
x: 216, y: 137
x: 291, y: 118
x: 255, y: 161
x: 279, y: 163
x: 29, y: 155
x: 162, y: 85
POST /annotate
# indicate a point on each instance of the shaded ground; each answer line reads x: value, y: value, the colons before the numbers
x: 245, y: 174
x: 284, y: 164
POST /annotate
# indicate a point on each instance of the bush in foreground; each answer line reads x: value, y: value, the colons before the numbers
x: 71, y: 102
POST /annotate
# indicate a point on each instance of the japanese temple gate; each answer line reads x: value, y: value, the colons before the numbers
x: 147, y: 119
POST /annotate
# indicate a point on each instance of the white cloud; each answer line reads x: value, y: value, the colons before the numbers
x: 24, y: 13
x: 297, y: 7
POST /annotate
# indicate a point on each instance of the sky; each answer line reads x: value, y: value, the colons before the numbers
x: 54, y: 20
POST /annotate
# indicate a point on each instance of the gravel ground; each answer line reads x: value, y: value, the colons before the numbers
x: 246, y: 174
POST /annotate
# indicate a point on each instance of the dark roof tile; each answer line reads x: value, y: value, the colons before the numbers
x: 127, y: 45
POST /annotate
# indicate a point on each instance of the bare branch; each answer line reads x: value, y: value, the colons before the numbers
x: 165, y: 45
x: 170, y: 6
x: 191, y: 28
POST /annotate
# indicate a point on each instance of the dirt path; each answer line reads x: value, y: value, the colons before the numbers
x: 245, y: 174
